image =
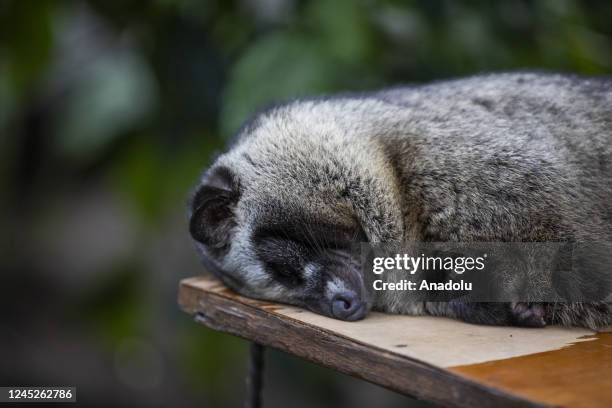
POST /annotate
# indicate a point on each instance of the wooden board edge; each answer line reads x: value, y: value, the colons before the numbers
x: 393, y: 371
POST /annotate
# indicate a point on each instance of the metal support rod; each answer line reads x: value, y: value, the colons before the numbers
x: 255, y: 376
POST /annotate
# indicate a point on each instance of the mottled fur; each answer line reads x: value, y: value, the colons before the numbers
x: 505, y: 157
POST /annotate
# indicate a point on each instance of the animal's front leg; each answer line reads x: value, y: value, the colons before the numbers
x: 528, y: 314
x: 490, y: 313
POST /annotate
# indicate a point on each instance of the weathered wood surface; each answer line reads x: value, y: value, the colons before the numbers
x: 435, y: 359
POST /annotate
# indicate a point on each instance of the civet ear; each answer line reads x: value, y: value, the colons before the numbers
x: 212, y: 210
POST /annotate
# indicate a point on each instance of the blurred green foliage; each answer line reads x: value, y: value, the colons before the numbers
x: 109, y: 111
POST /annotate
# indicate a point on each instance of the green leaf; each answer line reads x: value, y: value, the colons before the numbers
x: 114, y: 95
x: 344, y: 28
x: 276, y: 67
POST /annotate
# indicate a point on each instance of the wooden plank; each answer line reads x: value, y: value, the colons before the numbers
x: 434, y: 359
x: 576, y: 376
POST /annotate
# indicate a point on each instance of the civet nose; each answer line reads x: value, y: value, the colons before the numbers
x: 348, y: 306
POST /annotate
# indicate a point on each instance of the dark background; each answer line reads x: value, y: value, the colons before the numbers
x: 109, y: 110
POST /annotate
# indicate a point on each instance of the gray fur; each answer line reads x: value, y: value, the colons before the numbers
x: 505, y: 157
